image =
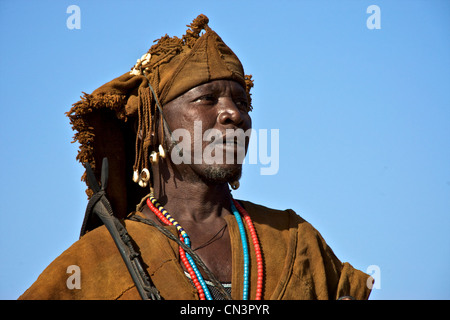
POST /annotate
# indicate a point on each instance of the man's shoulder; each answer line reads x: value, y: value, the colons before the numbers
x: 96, y: 261
x: 278, y: 218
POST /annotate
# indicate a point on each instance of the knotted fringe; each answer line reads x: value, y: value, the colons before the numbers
x: 143, y: 136
x: 248, y: 86
x: 193, y: 33
x: 161, y: 52
x: 84, y: 132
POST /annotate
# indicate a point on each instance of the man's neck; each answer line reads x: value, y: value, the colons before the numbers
x: 192, y: 200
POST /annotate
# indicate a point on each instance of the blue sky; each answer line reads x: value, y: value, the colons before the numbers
x: 363, y: 118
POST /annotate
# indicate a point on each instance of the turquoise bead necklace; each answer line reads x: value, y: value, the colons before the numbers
x: 189, y: 263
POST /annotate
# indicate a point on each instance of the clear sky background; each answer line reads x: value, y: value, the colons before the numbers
x: 363, y: 117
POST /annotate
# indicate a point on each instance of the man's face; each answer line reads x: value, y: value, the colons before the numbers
x: 205, y: 117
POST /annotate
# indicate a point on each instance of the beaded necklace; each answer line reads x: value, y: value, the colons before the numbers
x: 189, y: 263
x: 187, y: 260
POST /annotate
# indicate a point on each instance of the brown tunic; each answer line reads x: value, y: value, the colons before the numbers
x: 298, y: 264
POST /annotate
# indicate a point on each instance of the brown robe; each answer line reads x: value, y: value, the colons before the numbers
x: 298, y: 264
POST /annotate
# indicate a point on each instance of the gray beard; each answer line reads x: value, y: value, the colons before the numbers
x: 221, y: 175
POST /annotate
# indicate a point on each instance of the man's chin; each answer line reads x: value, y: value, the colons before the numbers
x: 222, y: 174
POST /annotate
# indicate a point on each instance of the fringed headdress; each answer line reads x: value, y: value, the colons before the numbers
x: 119, y: 119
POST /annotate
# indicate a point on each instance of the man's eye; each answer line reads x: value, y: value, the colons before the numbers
x: 242, y: 104
x: 207, y: 98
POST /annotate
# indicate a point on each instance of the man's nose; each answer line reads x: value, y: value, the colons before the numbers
x: 229, y: 113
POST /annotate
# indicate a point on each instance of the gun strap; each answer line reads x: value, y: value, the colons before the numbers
x: 100, y: 205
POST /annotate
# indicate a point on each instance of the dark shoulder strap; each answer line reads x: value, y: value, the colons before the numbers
x: 100, y: 207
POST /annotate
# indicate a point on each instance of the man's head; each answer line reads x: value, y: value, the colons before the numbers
x: 207, y: 131
x: 182, y: 82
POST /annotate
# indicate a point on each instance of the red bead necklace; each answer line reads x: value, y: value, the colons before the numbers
x: 255, y: 241
x: 258, y: 253
x: 181, y: 251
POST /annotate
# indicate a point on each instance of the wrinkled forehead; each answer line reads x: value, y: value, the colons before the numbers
x: 216, y: 87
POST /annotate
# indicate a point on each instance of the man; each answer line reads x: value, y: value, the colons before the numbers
x: 189, y: 238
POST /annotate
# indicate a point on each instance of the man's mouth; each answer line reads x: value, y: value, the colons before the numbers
x: 232, y: 142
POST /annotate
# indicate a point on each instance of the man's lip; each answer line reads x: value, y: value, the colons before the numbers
x: 233, y: 142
